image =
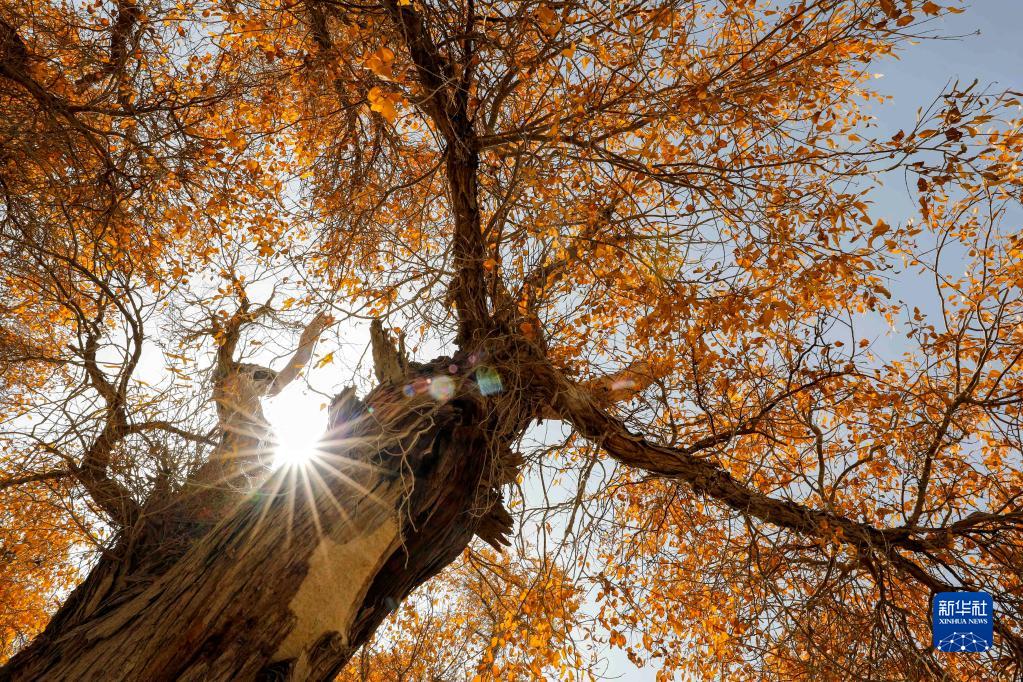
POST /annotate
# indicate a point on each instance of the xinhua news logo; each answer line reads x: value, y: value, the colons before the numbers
x: 963, y: 622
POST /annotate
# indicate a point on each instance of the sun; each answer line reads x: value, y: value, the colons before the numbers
x: 298, y: 422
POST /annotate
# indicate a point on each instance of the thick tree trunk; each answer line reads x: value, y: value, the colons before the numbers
x: 299, y: 575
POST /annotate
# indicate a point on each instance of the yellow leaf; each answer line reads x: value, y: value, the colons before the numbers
x: 381, y: 63
x: 325, y: 360
x: 547, y: 19
x: 383, y: 102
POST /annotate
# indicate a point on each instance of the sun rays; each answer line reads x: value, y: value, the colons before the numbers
x: 297, y: 423
x: 307, y: 466
x: 313, y: 478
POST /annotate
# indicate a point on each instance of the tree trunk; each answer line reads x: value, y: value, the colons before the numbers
x: 300, y: 574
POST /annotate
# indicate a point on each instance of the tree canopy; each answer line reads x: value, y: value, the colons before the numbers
x: 739, y: 422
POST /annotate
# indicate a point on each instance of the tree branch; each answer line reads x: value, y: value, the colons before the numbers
x: 34, y: 478
x: 169, y: 428
x: 445, y: 100
x: 705, y: 477
x: 301, y: 356
x: 93, y: 472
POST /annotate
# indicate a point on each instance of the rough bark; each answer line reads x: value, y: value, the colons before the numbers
x: 289, y: 586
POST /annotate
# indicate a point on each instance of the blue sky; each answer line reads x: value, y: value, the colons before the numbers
x: 984, y: 42
x: 989, y: 50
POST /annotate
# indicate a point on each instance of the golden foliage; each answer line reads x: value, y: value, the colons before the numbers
x: 686, y: 188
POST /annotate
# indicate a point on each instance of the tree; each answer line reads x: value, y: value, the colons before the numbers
x: 649, y: 222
